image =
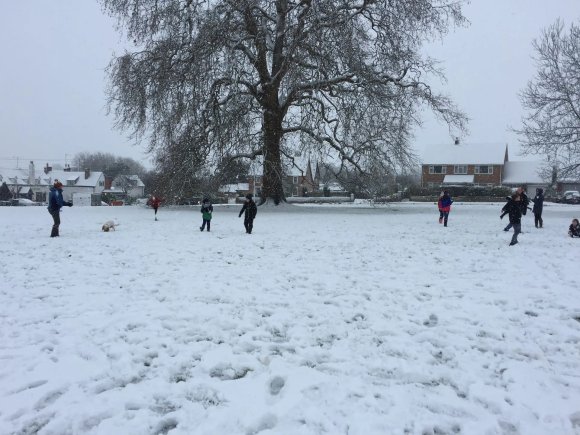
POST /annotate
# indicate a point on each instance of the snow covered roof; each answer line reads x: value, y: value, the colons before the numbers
x: 133, y: 180
x: 522, y: 173
x: 20, y: 176
x: 458, y: 179
x: 332, y: 187
x: 233, y: 188
x: 138, y: 181
x: 465, y: 154
x: 79, y: 176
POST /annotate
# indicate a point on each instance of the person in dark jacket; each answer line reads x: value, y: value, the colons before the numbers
x: 574, y: 230
x: 250, y: 209
x: 55, y: 203
x: 514, y: 210
x: 206, y: 212
x: 538, y: 207
x: 444, y: 205
x: 524, y: 200
x: 523, y: 203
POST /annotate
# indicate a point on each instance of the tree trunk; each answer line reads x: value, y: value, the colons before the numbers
x: 272, y: 181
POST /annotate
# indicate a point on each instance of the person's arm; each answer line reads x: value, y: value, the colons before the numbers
x: 243, y: 209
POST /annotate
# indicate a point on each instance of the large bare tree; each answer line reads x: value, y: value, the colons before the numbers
x: 265, y: 79
x: 551, y: 126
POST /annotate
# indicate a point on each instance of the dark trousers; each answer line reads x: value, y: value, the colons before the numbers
x: 249, y: 224
x: 509, y: 227
x: 538, y: 220
x: 443, y: 215
x: 56, y: 218
x: 205, y: 221
x: 517, y: 230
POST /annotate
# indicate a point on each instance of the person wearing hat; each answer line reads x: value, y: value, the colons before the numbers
x: 55, y: 203
x: 250, y: 209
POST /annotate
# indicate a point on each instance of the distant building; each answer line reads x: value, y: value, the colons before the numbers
x: 235, y: 190
x: 298, y: 180
x: 32, y: 184
x: 464, y: 164
x: 524, y: 174
x: 479, y: 165
x: 131, y: 185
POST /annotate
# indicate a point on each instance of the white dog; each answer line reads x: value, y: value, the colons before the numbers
x: 109, y: 225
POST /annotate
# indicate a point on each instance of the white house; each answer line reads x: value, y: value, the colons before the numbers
x: 524, y: 174
x: 86, y: 181
x: 131, y: 185
x: 33, y: 184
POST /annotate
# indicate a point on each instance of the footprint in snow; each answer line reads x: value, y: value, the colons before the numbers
x: 276, y: 385
x: 431, y: 321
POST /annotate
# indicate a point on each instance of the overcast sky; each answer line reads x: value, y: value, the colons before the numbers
x: 54, y: 52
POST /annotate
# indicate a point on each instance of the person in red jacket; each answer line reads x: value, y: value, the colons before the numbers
x: 154, y: 202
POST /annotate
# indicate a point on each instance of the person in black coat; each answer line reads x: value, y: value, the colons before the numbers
x: 250, y: 209
x: 523, y: 203
x: 524, y: 200
x: 55, y: 203
x: 514, y: 210
x: 538, y: 207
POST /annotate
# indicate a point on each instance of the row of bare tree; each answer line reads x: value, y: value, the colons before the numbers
x: 213, y: 82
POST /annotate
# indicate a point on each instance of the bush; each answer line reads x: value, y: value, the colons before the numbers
x: 462, y: 191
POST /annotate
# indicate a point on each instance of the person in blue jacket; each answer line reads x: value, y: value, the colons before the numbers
x: 444, y: 205
x: 55, y: 203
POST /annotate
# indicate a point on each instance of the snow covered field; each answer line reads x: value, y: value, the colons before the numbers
x: 326, y: 320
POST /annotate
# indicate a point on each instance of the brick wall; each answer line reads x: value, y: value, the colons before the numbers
x: 494, y: 178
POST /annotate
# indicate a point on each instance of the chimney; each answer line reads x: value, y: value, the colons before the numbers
x: 456, y: 141
x: 108, y: 182
x: 87, y: 173
x: 31, y: 175
x: 47, y: 169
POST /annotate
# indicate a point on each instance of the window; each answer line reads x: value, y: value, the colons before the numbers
x: 484, y: 169
x: 437, y: 169
x: 295, y: 180
x: 460, y: 169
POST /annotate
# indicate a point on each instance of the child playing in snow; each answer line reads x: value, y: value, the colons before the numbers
x: 249, y: 210
x: 206, y: 211
x: 574, y: 230
x: 155, y: 202
x: 513, y: 208
x: 444, y: 205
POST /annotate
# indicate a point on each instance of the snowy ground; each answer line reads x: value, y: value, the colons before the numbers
x: 326, y: 320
